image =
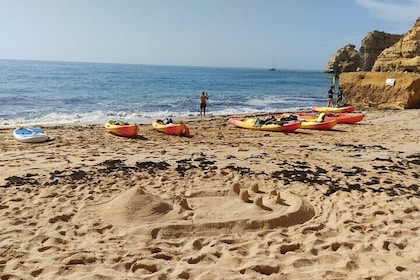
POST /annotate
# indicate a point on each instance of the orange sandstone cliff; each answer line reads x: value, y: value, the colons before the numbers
x: 390, y: 90
x: 390, y: 80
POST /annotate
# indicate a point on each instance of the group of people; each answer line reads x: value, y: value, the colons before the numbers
x: 334, y: 99
x: 338, y: 101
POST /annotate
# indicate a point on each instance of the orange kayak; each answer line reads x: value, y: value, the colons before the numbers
x: 171, y: 128
x: 121, y: 128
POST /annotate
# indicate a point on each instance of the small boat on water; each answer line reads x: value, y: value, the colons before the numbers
x: 121, y: 128
x: 30, y: 135
x: 169, y: 127
x: 261, y: 124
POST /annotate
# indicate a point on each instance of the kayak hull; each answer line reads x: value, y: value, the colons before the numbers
x: 179, y: 129
x: 343, y: 118
x: 249, y: 123
x: 125, y: 130
x: 325, y: 125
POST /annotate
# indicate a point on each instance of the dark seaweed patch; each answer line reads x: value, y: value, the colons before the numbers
x: 354, y: 171
x: 414, y: 159
x: 151, y: 166
x: 299, y: 171
x: 187, y: 164
x: 15, y: 181
x: 183, y: 166
x: 78, y: 175
x: 302, y: 172
x: 384, y: 159
x: 361, y: 147
x: 240, y: 170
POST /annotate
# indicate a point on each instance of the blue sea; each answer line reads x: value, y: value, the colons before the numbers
x: 45, y: 93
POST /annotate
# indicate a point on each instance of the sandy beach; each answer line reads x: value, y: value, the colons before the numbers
x: 227, y: 203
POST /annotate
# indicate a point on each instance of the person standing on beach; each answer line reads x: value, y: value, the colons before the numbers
x: 340, y: 96
x: 203, y: 103
x: 331, y: 97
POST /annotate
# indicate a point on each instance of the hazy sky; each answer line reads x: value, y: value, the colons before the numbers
x: 286, y: 34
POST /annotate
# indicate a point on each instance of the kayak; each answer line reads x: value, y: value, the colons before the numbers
x: 253, y: 123
x: 179, y: 129
x: 346, y: 118
x: 347, y: 109
x: 30, y: 135
x: 318, y: 125
x: 121, y: 128
x: 319, y: 122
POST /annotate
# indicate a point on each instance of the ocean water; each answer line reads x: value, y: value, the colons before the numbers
x: 43, y: 93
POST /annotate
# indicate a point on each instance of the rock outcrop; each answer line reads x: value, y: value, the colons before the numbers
x: 403, y: 56
x: 370, y: 89
x: 372, y: 46
x: 388, y: 80
x: 346, y: 59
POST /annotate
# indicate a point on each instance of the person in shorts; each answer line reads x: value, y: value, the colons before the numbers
x: 203, y: 103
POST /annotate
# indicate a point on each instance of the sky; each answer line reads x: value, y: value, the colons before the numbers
x: 285, y: 34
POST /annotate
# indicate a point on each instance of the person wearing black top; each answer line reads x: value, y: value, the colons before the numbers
x: 331, y: 97
x: 340, y: 96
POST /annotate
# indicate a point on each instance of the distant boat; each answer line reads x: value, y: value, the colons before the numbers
x: 272, y: 69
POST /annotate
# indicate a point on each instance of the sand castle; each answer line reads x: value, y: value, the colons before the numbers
x: 197, y: 215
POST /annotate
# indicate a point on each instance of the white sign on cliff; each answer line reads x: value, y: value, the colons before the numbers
x: 390, y: 82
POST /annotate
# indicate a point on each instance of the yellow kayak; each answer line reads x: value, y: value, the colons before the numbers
x: 253, y: 123
x: 318, y: 123
x: 346, y: 109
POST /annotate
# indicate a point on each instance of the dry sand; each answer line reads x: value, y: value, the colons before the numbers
x: 227, y: 203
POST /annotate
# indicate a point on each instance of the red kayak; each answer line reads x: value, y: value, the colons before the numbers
x: 311, y: 122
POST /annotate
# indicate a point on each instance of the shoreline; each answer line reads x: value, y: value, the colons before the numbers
x: 88, y: 204
x: 190, y: 118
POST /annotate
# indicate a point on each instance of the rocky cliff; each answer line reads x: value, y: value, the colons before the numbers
x: 402, y: 56
x: 380, y: 52
x: 346, y: 59
x: 397, y: 63
x: 381, y: 90
x: 373, y: 45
